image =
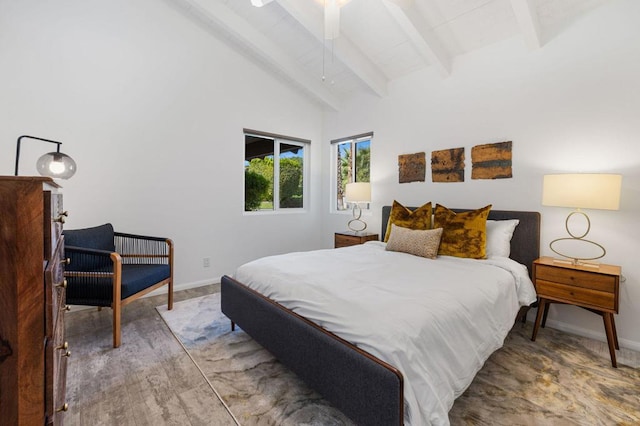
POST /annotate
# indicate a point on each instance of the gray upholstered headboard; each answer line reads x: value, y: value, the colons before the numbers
x: 525, y: 244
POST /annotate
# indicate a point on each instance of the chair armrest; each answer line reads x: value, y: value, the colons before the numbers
x: 83, y: 259
x: 89, y: 251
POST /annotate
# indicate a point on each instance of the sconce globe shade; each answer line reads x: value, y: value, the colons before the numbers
x: 56, y: 165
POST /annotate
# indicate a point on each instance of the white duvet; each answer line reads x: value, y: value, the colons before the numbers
x: 436, y: 320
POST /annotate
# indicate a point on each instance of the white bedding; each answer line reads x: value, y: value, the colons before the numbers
x: 436, y: 320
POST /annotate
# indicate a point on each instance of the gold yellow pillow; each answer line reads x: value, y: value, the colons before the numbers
x: 420, y: 218
x: 464, y: 234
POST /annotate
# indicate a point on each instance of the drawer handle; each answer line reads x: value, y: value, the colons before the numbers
x: 65, y: 407
x: 61, y: 216
x: 67, y: 261
x: 66, y: 308
x: 67, y: 354
x: 63, y: 284
x: 64, y: 346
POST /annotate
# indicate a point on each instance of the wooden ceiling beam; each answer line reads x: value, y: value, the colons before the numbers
x: 414, y: 26
x: 528, y: 22
x: 222, y: 18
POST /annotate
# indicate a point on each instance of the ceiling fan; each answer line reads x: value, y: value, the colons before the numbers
x: 331, y: 15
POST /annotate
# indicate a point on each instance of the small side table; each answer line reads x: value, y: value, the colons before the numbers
x: 595, y: 288
x: 350, y: 238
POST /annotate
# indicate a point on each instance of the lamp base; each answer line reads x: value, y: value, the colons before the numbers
x: 355, y: 224
x: 577, y: 262
x: 573, y: 260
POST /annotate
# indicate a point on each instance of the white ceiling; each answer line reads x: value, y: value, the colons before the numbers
x: 379, y: 40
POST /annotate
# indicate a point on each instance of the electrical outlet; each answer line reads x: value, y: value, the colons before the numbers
x: 206, y: 262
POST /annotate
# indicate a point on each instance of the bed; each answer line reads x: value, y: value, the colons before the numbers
x: 359, y: 379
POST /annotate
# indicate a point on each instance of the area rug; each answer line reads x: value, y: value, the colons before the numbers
x: 557, y: 380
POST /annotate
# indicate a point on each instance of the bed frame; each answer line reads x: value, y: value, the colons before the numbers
x: 363, y: 387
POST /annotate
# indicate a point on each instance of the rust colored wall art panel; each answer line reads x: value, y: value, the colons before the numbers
x: 411, y: 167
x: 447, y: 165
x: 491, y: 161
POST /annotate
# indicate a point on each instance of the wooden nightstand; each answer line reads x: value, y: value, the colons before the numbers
x: 593, y: 288
x: 350, y: 238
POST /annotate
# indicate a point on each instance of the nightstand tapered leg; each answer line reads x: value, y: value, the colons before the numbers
x: 615, y: 332
x: 541, y: 308
x: 546, y: 312
x: 609, y: 326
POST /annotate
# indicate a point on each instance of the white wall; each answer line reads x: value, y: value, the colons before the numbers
x: 573, y: 105
x: 151, y: 107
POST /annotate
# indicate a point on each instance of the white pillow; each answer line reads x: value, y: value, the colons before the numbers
x: 499, y: 233
x: 418, y: 242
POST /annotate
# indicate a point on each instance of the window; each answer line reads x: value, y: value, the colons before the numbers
x: 275, y: 171
x: 351, y: 157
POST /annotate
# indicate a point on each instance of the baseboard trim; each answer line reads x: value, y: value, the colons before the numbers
x: 591, y: 334
x: 183, y: 286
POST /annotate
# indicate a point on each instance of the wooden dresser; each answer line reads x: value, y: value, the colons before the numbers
x: 33, y: 352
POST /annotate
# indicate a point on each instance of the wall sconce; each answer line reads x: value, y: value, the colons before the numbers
x: 582, y: 190
x: 52, y: 164
x: 356, y: 193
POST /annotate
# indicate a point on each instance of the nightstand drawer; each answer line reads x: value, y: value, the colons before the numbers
x: 346, y: 239
x: 576, y: 295
x: 574, y: 278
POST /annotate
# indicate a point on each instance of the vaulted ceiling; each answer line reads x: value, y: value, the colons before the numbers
x: 376, y: 41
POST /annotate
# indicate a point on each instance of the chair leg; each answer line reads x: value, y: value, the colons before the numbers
x: 117, y: 310
x: 170, y: 247
x: 117, y: 297
x: 170, y: 302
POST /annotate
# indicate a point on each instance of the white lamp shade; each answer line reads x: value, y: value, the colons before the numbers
x: 358, y: 192
x: 582, y: 190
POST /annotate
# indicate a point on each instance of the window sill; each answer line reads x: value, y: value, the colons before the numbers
x: 274, y: 212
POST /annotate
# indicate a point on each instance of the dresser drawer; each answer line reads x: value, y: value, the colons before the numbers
x: 55, y: 287
x: 56, y: 347
x: 54, y: 216
x: 575, y: 278
x: 576, y: 295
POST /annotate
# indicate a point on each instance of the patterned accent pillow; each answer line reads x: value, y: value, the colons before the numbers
x: 418, y: 242
x: 420, y: 218
x: 464, y: 234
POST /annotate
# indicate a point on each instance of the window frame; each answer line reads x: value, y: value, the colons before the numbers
x: 334, y: 147
x: 277, y: 140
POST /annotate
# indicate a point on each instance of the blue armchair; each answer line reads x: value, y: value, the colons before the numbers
x: 107, y: 268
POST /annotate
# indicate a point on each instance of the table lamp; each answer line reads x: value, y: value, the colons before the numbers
x: 356, y: 193
x: 52, y: 164
x: 581, y: 191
